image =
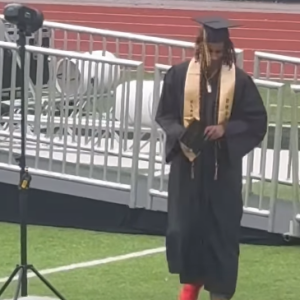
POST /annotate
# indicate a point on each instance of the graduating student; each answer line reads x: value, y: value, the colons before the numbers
x: 213, y: 115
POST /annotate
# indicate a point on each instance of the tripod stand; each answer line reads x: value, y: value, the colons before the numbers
x: 25, y: 179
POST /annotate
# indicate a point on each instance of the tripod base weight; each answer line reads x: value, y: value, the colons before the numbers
x: 22, y: 272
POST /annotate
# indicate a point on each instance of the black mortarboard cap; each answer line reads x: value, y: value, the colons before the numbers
x: 216, y: 28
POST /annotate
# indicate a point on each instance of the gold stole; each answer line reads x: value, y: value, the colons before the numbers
x: 192, y: 105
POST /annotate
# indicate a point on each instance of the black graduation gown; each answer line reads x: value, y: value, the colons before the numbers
x: 204, y: 214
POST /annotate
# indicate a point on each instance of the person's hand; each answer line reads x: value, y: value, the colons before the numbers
x: 214, y: 132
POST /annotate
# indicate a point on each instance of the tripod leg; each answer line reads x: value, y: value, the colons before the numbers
x: 46, y: 283
x: 19, y: 284
x: 9, y: 280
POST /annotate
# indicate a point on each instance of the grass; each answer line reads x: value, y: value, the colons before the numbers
x: 284, y: 192
x: 50, y: 247
x: 270, y: 98
x: 265, y: 272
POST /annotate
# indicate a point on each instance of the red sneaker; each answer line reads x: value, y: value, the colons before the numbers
x: 190, y: 292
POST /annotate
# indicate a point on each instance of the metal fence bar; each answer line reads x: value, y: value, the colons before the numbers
x: 159, y: 71
x: 119, y: 34
x: 137, y: 135
x: 261, y: 176
x: 56, y: 175
x: 295, y: 230
x: 129, y: 41
x: 290, y: 62
x: 276, y: 160
x: 276, y: 57
x: 154, y: 131
x: 54, y: 125
x: 272, y: 60
x: 72, y: 55
x: 270, y: 85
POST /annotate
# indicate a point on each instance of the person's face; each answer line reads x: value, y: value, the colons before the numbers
x: 216, y: 51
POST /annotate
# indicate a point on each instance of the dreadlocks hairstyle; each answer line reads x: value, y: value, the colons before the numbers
x: 202, y: 55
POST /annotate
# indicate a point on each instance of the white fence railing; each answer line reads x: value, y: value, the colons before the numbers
x: 81, y: 129
x: 295, y: 158
x: 267, y: 64
x: 288, y: 70
x: 148, y: 49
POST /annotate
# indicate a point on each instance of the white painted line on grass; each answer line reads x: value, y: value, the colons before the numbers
x: 93, y: 263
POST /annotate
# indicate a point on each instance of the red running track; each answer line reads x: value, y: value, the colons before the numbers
x: 271, y: 32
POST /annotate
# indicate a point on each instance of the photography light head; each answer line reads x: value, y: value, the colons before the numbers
x: 26, y: 19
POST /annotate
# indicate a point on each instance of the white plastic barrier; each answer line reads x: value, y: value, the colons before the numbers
x: 123, y: 104
x: 105, y: 73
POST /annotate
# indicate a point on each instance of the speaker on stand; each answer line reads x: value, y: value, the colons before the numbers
x: 11, y: 35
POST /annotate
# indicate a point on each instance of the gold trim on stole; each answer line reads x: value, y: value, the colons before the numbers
x: 227, y: 87
x: 192, y: 107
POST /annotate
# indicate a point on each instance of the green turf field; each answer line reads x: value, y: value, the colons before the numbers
x: 265, y: 272
x: 284, y: 192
